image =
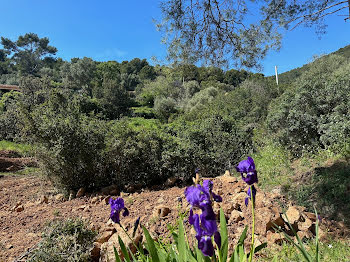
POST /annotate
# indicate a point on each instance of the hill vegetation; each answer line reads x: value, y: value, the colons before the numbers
x: 131, y: 123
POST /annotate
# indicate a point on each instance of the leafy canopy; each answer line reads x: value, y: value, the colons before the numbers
x: 224, y: 31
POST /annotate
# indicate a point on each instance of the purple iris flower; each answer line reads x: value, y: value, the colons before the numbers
x: 205, y: 229
x: 205, y: 224
x: 247, y: 167
x: 249, y: 193
x: 116, y: 207
x: 208, y: 186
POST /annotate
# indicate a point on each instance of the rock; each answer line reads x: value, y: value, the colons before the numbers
x: 80, y: 208
x: 104, y: 236
x: 171, y: 181
x: 161, y: 211
x: 80, y: 193
x: 293, y: 214
x: 238, y: 199
x: 276, y: 238
x: 95, y: 251
x: 273, y: 219
x: 59, y: 197
x: 228, y: 179
x: 43, y: 199
x: 106, y: 200
x: 71, y: 196
x: 20, y: 208
x: 107, y: 250
x: 110, y: 189
x: 236, y: 216
x: 227, y: 207
x: 306, y: 225
x: 130, y: 189
x: 94, y: 227
x: 95, y: 200
x: 304, y: 235
x: 310, y: 216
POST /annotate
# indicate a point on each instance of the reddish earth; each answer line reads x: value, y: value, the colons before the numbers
x: 11, y: 161
x: 20, y: 231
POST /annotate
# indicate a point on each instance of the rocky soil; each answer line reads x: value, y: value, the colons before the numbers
x: 11, y: 161
x: 27, y: 203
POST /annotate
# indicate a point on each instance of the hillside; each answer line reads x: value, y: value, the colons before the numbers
x: 290, y: 76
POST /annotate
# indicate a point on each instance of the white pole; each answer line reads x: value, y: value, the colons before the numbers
x: 276, y: 75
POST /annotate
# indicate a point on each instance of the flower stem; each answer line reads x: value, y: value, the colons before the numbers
x: 252, y: 248
x: 132, y: 241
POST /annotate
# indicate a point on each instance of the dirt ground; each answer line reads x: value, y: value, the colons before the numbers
x: 23, y: 213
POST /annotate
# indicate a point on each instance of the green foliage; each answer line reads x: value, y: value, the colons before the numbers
x: 9, y: 119
x: 212, y: 144
x: 314, y: 113
x: 113, y: 100
x: 70, y: 143
x: 133, y: 156
x: 78, y: 74
x: 274, y: 164
x: 325, y: 188
x: 64, y: 240
x: 180, y: 249
x: 29, y: 52
x: 332, y: 250
x: 22, y: 149
x: 164, y: 108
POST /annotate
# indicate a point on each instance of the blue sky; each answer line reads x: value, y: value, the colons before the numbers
x: 122, y: 30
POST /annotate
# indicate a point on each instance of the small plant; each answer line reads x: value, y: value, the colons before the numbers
x: 64, y: 241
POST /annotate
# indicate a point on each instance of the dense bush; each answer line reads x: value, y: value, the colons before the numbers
x: 133, y: 156
x: 9, y: 120
x: 64, y: 241
x: 70, y: 143
x: 314, y: 113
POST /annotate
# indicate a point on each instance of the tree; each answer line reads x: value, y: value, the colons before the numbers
x: 79, y: 74
x: 29, y: 52
x: 222, y: 32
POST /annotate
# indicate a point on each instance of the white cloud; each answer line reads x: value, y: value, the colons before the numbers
x: 110, y: 54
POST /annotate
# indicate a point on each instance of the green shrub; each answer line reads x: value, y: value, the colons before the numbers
x: 70, y: 144
x: 64, y: 241
x: 314, y: 113
x: 133, y: 156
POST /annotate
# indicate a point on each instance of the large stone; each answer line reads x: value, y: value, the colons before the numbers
x: 107, y: 250
x: 59, y: 197
x: 104, y: 236
x: 236, y: 216
x: 305, y: 225
x: 227, y: 178
x: 43, y: 199
x: 171, y: 181
x: 161, y: 211
x: 81, y: 192
x: 292, y: 215
x: 275, y: 219
x: 275, y: 238
x: 238, y: 199
x: 110, y: 190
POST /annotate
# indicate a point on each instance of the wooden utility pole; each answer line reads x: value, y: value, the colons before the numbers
x: 277, y: 73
